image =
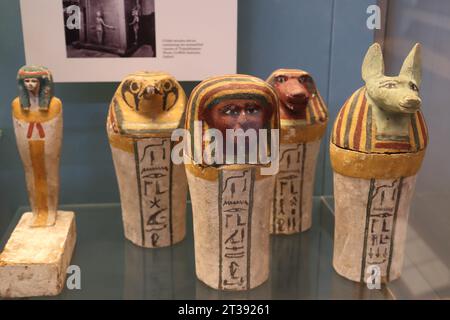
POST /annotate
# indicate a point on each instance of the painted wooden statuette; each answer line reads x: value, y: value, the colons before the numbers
x: 377, y: 147
x: 39, y: 250
x: 144, y: 111
x: 231, y: 200
x: 303, y: 117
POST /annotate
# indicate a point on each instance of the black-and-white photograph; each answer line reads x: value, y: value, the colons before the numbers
x: 109, y: 28
x: 167, y: 35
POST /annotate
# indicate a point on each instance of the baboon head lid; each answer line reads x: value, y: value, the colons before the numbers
x: 300, y: 101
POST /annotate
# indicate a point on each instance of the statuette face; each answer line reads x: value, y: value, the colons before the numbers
x: 32, y: 85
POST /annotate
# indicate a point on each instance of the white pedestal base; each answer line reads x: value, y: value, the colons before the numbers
x: 35, y: 260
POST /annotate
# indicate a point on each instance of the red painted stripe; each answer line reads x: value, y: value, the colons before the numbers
x: 358, y: 129
x: 339, y: 123
x: 393, y: 145
x: 40, y: 130
x: 319, y: 109
x: 33, y: 73
x: 422, y: 129
x: 30, y: 130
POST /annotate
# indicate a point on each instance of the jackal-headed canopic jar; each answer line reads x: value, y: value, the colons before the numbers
x: 231, y: 199
x: 144, y: 111
x: 377, y: 146
x: 303, y: 118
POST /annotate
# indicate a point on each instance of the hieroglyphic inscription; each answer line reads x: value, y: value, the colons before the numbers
x: 235, y: 208
x: 154, y: 169
x: 289, y: 190
x: 381, y: 217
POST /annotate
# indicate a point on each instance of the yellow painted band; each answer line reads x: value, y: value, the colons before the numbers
x: 375, y: 165
x: 301, y: 134
x: 121, y: 142
x: 206, y: 173
x: 53, y: 111
x: 212, y: 173
x: 40, y: 195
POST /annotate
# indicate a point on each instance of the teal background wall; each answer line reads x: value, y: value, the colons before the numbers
x: 325, y: 37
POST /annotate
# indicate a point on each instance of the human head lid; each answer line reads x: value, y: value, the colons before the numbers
x: 216, y: 90
x: 45, y: 86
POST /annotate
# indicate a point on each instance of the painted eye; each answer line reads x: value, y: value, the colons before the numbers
x: 167, y: 85
x: 230, y: 110
x: 134, y: 87
x: 390, y: 85
x: 280, y: 79
x: 252, y: 109
x: 413, y: 87
x: 303, y: 79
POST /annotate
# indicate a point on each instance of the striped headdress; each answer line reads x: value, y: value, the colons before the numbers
x: 316, y: 111
x: 355, y: 129
x: 214, y: 90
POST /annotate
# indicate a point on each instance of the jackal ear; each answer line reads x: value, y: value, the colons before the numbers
x: 373, y: 64
x: 412, y: 66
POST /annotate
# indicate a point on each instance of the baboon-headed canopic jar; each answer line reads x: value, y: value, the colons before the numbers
x: 231, y: 200
x: 377, y: 146
x: 144, y: 111
x: 303, y: 118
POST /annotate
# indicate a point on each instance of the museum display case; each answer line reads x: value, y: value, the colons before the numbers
x: 353, y: 98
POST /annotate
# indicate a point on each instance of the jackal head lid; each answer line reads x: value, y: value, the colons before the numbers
x: 397, y: 94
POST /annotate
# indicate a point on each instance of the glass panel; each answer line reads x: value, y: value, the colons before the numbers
x: 425, y: 272
x: 114, y: 268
